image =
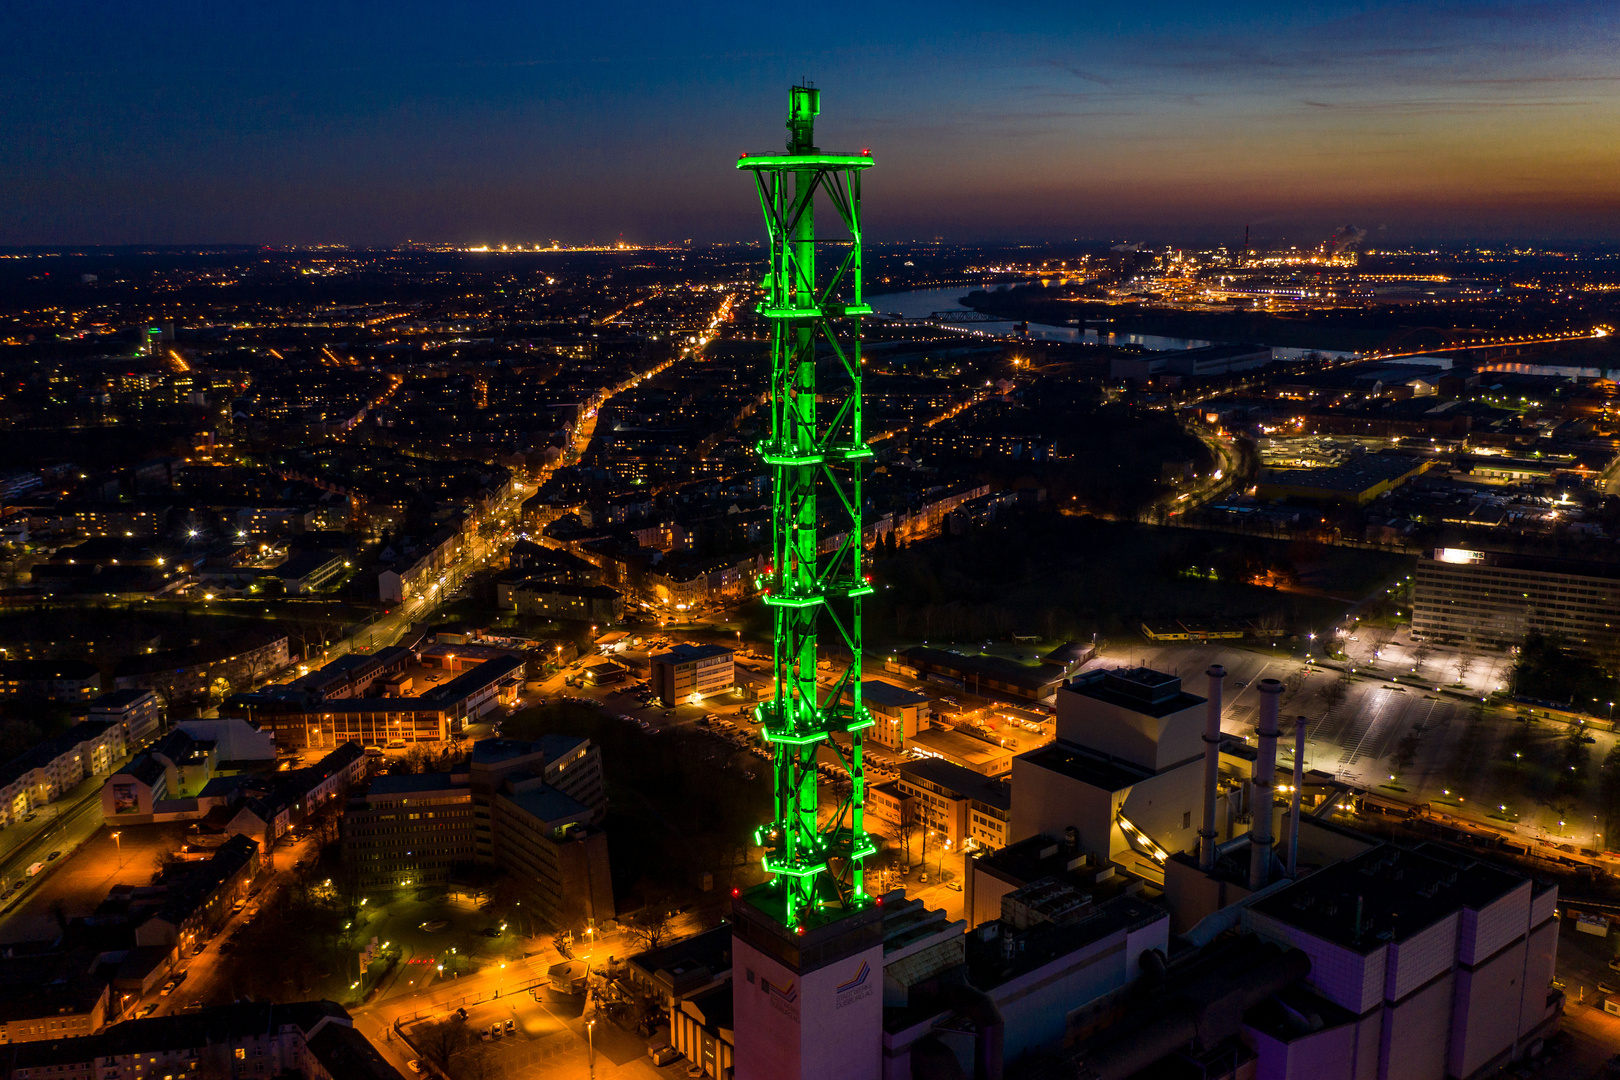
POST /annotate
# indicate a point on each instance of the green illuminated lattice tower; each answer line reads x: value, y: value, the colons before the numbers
x: 815, y: 450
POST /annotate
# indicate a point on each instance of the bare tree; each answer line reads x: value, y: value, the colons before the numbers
x: 440, y: 1042
x: 907, y: 829
x: 1464, y: 664
x: 257, y: 664
x: 1421, y: 653
x: 650, y: 927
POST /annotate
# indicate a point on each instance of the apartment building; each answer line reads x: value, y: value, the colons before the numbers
x: 312, y: 1039
x: 45, y: 773
x: 136, y: 712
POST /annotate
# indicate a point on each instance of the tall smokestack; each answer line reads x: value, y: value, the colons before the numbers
x: 1265, y: 783
x: 1212, y: 767
x: 1293, y: 809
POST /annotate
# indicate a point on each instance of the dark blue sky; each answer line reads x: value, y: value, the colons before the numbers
x: 294, y: 122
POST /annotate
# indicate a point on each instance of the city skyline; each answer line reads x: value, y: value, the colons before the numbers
x: 181, y: 124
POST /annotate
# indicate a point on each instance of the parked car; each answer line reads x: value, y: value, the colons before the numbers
x: 53, y: 856
x: 511, y: 1026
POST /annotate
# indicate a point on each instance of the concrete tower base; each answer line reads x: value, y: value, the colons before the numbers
x: 807, y: 1006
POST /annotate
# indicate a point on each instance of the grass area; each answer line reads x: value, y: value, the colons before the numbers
x: 1062, y: 577
x: 677, y: 804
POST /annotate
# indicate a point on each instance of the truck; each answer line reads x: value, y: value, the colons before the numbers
x: 1591, y: 923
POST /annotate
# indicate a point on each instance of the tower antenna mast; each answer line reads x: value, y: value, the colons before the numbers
x: 815, y: 450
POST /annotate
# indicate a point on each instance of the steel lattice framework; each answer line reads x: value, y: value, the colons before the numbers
x: 815, y: 450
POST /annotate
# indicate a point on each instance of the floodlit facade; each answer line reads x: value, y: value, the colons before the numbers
x: 1489, y: 599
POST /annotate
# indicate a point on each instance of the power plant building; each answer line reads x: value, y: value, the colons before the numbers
x: 1125, y: 769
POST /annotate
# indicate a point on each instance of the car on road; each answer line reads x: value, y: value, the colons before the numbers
x: 414, y: 1065
x: 150, y: 1009
x: 193, y: 1006
x: 35, y: 869
x: 53, y: 856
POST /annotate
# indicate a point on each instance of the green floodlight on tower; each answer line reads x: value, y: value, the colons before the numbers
x: 815, y: 450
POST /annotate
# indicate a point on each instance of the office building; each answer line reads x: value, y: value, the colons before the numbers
x: 1494, y: 600
x: 689, y: 673
x: 306, y: 716
x: 531, y: 808
x: 409, y: 829
x: 899, y: 713
x: 963, y: 810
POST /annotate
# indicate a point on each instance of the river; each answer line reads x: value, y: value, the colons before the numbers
x: 921, y: 303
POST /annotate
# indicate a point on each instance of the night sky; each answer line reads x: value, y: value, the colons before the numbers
x: 372, y: 123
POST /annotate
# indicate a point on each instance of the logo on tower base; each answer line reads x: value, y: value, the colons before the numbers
x: 858, y: 987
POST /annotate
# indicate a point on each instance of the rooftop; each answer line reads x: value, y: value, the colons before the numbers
x: 886, y: 693
x: 1088, y: 766
x: 687, y: 652
x: 959, y: 781
x: 548, y: 805
x: 1393, y: 892
x: 414, y: 783
x: 1142, y: 690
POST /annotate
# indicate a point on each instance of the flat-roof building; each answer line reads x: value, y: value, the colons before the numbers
x: 986, y: 676
x: 1461, y: 595
x: 899, y: 713
x: 1358, y: 481
x: 322, y: 715
x: 530, y: 808
x: 1443, y: 966
x: 965, y: 808
x: 689, y: 672
x: 409, y: 829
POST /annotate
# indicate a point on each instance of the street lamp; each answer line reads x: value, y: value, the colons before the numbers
x: 590, y: 1038
x: 118, y: 840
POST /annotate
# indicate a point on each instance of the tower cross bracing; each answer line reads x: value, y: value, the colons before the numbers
x: 815, y: 450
